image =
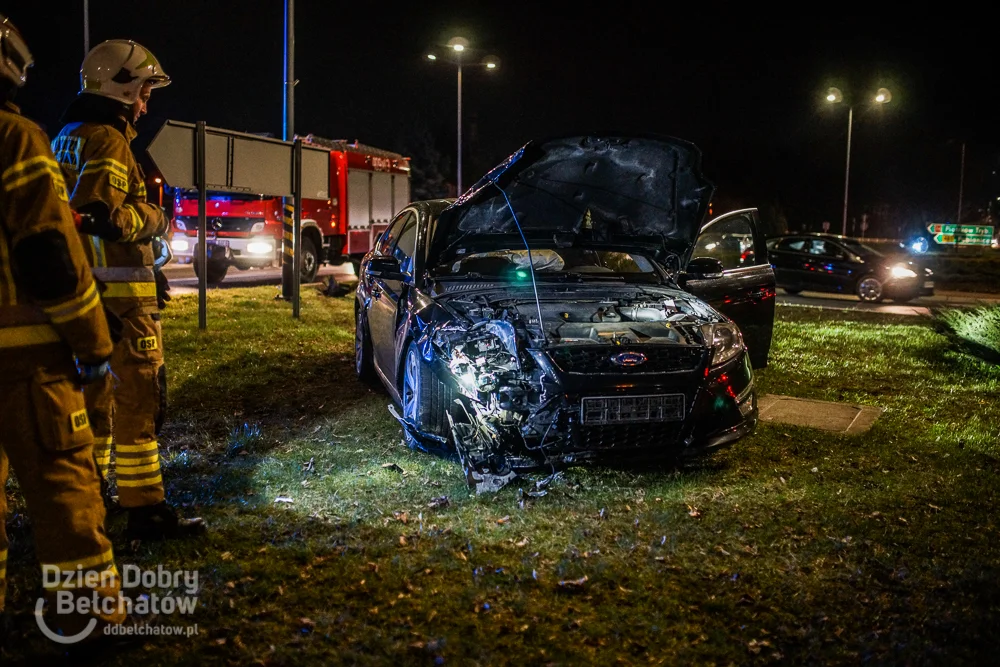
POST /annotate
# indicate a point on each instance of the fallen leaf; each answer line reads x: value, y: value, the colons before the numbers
x: 574, y: 583
x: 461, y: 555
x: 693, y: 511
x: 522, y: 543
x: 226, y: 555
x: 503, y: 520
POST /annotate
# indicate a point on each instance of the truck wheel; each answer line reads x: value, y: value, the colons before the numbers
x: 310, y: 260
x: 216, y: 271
x: 426, y: 399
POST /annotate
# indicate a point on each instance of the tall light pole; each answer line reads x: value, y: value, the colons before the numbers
x: 834, y: 96
x: 457, y: 47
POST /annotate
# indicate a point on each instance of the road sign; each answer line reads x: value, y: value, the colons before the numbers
x: 237, y: 162
x: 961, y: 230
x: 949, y: 239
x: 208, y: 158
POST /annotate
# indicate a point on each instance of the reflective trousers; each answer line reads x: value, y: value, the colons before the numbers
x: 45, y: 437
x: 126, y: 409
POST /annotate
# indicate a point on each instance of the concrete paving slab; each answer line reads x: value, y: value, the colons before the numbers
x: 825, y: 415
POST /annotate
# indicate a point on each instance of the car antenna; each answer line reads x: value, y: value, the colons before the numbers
x: 531, y: 263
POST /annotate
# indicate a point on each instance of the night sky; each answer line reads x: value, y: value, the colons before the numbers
x: 748, y: 90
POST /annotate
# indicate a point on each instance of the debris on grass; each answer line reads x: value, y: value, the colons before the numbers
x: 440, y: 501
x: 393, y: 467
x: 573, y: 584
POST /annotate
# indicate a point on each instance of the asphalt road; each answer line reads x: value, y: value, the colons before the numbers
x: 183, y: 281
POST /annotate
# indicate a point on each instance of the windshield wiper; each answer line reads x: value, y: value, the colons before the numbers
x: 580, y: 277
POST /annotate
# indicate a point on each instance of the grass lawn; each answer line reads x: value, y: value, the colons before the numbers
x: 333, y: 543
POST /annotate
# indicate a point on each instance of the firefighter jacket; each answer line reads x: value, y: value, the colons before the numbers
x: 49, y: 303
x: 99, y: 166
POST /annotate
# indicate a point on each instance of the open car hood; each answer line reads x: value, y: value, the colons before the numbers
x: 624, y: 192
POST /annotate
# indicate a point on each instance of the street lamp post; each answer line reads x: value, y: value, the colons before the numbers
x: 834, y: 96
x: 457, y: 46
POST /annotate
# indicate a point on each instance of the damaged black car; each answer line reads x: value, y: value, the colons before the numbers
x: 572, y: 306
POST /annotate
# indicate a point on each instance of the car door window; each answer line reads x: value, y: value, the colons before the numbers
x: 391, y: 233
x: 796, y: 245
x: 730, y: 240
x: 406, y: 243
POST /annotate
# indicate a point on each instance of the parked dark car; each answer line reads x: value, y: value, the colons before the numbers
x: 555, y: 314
x: 832, y: 263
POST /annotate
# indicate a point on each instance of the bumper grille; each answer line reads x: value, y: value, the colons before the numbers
x: 597, y: 359
x: 217, y: 224
x: 628, y: 436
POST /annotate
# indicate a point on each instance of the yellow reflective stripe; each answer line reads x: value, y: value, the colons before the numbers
x: 99, y: 258
x: 136, y: 223
x: 28, y: 170
x: 105, y: 164
x: 31, y: 334
x: 106, y: 441
x: 140, y: 482
x: 85, y: 563
x: 125, y: 469
x: 76, y: 307
x: 122, y: 290
x: 140, y: 191
x: 133, y: 463
x: 144, y: 447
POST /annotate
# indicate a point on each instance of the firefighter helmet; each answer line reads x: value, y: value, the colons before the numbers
x: 15, y: 58
x: 118, y: 68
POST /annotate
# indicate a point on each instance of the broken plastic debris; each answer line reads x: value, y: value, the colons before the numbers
x: 574, y: 583
x: 283, y: 499
x: 392, y: 466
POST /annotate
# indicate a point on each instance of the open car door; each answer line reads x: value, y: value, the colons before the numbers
x: 745, y: 290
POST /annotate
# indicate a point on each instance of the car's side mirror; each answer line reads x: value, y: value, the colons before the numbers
x: 386, y: 268
x: 704, y: 268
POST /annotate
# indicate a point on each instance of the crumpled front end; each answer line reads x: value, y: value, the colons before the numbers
x: 634, y: 375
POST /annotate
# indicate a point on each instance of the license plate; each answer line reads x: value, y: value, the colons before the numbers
x: 928, y: 284
x: 220, y: 242
x: 632, y: 409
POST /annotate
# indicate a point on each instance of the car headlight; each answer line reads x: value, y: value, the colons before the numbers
x: 180, y: 225
x: 179, y: 245
x: 725, y: 339
x: 257, y: 227
x: 900, y: 271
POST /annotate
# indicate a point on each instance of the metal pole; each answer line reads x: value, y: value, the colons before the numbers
x: 288, y: 133
x: 847, y: 170
x: 297, y: 230
x: 202, y: 255
x: 458, y: 175
x: 961, y: 185
x: 86, y: 27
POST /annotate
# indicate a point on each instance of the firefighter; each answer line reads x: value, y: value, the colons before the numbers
x: 106, y: 182
x: 53, y: 335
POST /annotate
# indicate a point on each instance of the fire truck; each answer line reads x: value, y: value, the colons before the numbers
x: 367, y: 187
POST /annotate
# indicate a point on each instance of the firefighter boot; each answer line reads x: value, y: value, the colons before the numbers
x: 160, y: 522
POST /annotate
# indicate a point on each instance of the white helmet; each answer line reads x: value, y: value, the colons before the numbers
x: 15, y: 58
x: 118, y: 68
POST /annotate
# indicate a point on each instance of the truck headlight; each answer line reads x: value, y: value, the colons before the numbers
x: 900, y: 271
x: 257, y: 228
x: 179, y: 245
x: 725, y: 339
x: 180, y: 225
x: 260, y: 247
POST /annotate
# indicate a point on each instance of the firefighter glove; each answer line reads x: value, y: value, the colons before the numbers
x: 95, y: 219
x: 89, y: 373
x: 162, y: 289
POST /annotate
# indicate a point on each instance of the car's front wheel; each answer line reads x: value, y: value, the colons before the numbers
x: 869, y: 289
x: 426, y: 399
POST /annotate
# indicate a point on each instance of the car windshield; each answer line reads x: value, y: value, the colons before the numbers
x: 857, y: 246
x: 562, y: 262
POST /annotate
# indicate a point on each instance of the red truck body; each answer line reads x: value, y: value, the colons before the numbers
x: 367, y: 187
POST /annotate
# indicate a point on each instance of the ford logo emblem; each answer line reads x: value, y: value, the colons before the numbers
x: 628, y: 359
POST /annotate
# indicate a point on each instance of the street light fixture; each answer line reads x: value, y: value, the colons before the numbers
x: 835, y: 96
x: 457, y: 46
